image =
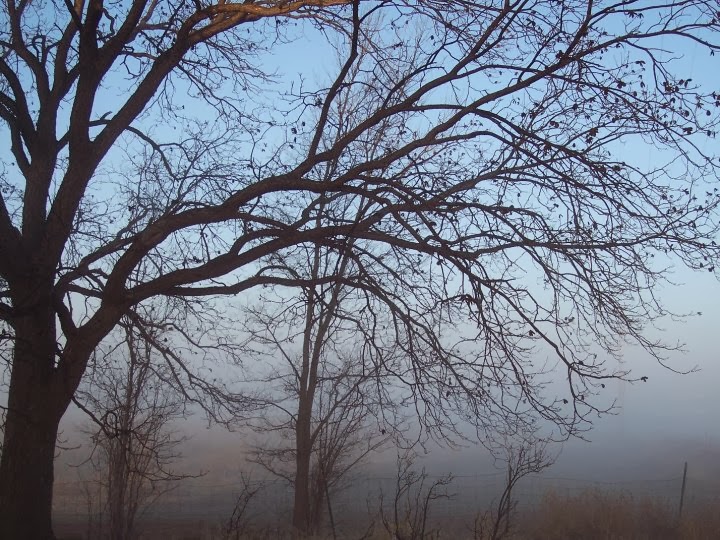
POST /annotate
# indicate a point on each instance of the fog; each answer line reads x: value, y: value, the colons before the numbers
x: 657, y: 426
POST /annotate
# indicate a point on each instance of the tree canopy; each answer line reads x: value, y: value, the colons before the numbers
x: 503, y: 177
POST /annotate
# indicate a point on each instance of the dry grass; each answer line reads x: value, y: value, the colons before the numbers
x: 590, y: 515
x: 598, y: 515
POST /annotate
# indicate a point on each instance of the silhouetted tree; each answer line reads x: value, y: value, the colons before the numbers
x: 238, y: 523
x: 327, y: 388
x: 324, y: 394
x: 154, y: 162
x: 134, y: 441
x: 521, y: 455
x: 415, y: 494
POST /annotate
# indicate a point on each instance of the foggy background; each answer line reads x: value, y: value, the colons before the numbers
x: 659, y: 424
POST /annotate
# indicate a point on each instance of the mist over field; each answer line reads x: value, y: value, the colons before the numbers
x: 639, y: 451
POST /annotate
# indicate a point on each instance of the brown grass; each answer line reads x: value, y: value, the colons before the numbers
x: 590, y: 515
x: 598, y: 515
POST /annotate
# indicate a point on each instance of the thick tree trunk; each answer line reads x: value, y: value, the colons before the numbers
x: 26, y: 467
x: 35, y: 407
x: 26, y: 477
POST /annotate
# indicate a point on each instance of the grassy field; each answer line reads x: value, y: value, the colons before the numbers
x: 590, y: 515
x: 599, y: 515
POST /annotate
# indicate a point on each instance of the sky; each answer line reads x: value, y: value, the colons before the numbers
x: 659, y: 424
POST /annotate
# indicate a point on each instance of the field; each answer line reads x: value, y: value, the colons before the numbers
x: 590, y: 514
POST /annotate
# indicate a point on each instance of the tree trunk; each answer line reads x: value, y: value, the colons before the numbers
x: 117, y: 488
x: 35, y: 407
x: 26, y: 478
x: 317, y: 503
x: 301, y: 504
x: 26, y: 467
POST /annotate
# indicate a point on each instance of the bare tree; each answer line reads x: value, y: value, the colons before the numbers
x: 238, y: 523
x: 415, y: 494
x: 503, y: 213
x: 134, y: 442
x: 91, y: 485
x: 522, y: 456
x: 322, y: 386
x: 328, y: 387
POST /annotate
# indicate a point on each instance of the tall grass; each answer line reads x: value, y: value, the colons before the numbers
x: 602, y: 515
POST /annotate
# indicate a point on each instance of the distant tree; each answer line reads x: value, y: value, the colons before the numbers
x: 521, y: 455
x: 135, y: 443
x: 327, y: 387
x: 416, y: 492
x: 238, y: 523
x: 327, y: 405
x: 154, y: 159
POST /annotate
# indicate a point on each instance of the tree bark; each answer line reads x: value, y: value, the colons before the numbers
x: 301, y: 504
x: 117, y: 488
x: 39, y: 396
x: 35, y: 407
x: 26, y: 477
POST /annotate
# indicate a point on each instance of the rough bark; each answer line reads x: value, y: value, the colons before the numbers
x: 26, y: 474
x: 35, y: 407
